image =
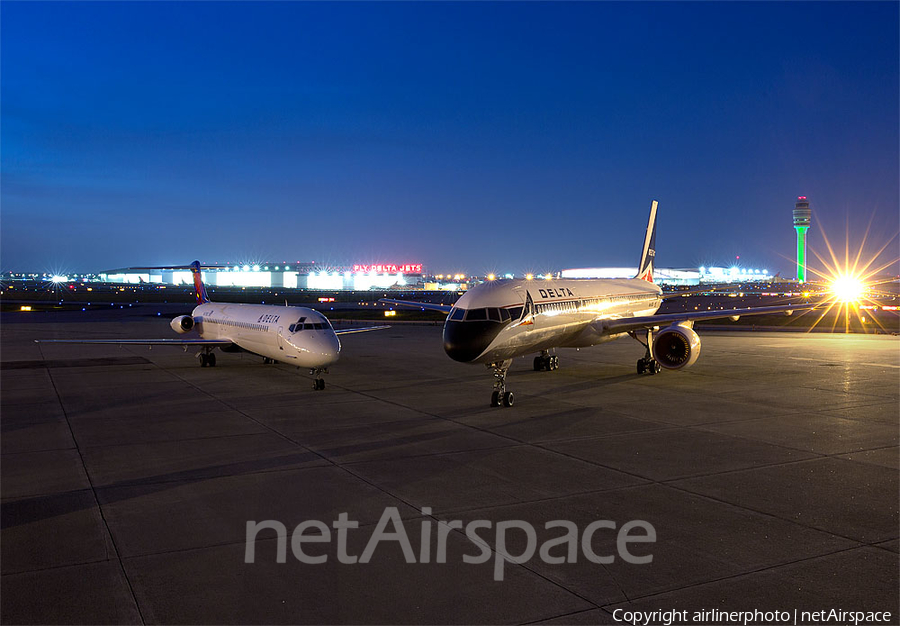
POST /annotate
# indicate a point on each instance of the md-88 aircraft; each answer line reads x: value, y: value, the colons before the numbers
x: 294, y: 335
x: 496, y: 321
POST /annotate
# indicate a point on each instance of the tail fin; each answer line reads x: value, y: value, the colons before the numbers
x: 648, y: 253
x: 199, y: 287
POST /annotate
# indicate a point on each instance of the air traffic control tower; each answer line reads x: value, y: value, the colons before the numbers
x: 802, y: 217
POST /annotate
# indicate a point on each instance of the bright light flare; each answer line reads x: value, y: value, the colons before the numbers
x: 851, y: 281
x: 847, y: 288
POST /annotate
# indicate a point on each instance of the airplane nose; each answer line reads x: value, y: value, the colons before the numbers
x: 322, y: 348
x: 465, y: 341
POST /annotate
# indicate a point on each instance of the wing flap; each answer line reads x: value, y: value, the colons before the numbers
x: 350, y: 331
x: 145, y: 342
x: 629, y: 324
x: 424, y: 306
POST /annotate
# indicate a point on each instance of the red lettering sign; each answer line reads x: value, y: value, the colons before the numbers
x: 389, y: 268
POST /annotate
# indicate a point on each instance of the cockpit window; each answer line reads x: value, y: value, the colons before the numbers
x: 493, y: 314
x: 476, y: 315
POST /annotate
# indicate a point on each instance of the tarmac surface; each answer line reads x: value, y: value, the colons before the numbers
x: 769, y: 472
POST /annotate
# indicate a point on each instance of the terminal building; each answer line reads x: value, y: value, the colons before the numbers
x: 668, y: 276
x: 405, y: 276
x: 358, y: 277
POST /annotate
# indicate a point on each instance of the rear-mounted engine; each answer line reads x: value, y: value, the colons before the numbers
x: 182, y: 324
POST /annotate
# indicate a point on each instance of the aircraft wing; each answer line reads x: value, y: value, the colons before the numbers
x: 145, y: 342
x: 350, y: 331
x: 424, y: 306
x: 629, y: 324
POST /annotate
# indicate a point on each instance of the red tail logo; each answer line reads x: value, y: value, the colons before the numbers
x: 199, y: 287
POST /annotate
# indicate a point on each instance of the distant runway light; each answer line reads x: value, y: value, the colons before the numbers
x: 847, y: 288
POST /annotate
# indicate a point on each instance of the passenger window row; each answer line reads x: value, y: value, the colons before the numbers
x: 247, y: 325
x: 589, y: 303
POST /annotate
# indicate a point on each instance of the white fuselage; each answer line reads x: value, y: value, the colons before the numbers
x: 296, y: 335
x: 503, y: 319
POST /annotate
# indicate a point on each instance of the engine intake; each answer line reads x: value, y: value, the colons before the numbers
x: 182, y: 324
x: 676, y: 347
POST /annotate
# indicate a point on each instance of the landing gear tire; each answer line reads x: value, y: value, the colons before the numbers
x: 267, y: 360
x: 648, y: 366
x: 641, y: 365
x: 545, y: 362
x: 500, y: 396
x: 319, y: 384
x: 211, y: 359
x: 204, y: 360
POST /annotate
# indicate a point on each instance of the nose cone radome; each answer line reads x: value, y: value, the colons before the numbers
x: 465, y: 341
x: 319, y: 348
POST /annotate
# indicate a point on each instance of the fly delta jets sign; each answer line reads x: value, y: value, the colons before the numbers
x: 389, y: 268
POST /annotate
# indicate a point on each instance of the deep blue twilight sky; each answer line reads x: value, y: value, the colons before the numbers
x: 472, y: 137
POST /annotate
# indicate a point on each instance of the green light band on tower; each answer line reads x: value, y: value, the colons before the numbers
x: 802, y: 219
x: 801, y: 253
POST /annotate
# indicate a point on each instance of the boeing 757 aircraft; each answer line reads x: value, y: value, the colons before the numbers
x: 497, y: 321
x: 288, y: 334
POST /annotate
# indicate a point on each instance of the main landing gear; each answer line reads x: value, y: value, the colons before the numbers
x: 500, y: 396
x: 546, y: 362
x: 647, y: 364
x: 267, y: 360
x: 318, y: 383
x: 207, y: 358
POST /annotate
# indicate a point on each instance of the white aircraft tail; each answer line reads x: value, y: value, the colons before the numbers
x: 648, y: 252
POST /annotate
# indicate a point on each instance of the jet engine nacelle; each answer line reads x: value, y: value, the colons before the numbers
x: 182, y: 324
x: 676, y: 347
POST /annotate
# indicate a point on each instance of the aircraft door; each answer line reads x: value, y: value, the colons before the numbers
x: 280, y: 337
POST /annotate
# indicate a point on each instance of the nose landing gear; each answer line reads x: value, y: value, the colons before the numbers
x: 500, y: 396
x: 318, y: 383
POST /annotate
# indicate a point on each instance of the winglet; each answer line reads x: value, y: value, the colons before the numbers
x: 648, y: 252
x: 199, y: 287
